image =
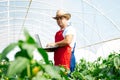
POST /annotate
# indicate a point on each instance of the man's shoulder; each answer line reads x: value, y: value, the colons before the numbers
x: 69, y: 30
x: 70, y: 27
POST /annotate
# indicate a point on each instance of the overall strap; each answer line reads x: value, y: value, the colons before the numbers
x: 73, y: 60
x: 74, y: 48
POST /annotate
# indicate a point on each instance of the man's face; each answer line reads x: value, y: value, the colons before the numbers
x: 61, y: 21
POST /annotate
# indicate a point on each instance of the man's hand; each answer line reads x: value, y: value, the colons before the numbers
x: 51, y: 45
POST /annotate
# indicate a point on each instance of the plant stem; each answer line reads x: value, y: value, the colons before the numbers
x: 28, y: 70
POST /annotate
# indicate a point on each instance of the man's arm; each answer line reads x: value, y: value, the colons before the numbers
x: 66, y: 41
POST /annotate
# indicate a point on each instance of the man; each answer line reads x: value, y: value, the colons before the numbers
x: 64, y: 41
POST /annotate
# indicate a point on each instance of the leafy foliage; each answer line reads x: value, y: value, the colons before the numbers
x: 103, y: 69
x: 24, y: 67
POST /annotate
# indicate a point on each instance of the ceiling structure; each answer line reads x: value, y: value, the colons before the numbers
x: 96, y: 22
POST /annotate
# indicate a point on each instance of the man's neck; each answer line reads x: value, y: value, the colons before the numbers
x: 63, y: 27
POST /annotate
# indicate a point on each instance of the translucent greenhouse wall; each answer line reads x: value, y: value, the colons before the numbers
x: 97, y: 23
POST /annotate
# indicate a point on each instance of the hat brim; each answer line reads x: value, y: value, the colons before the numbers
x: 67, y: 16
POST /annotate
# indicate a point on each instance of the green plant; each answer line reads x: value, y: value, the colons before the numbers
x: 24, y: 67
x: 101, y: 69
x: 4, y: 63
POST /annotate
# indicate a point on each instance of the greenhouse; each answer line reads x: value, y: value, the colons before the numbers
x: 97, y: 26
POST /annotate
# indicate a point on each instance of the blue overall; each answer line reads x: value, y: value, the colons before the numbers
x: 73, y: 60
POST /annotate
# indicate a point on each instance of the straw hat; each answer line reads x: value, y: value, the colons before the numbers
x: 61, y: 13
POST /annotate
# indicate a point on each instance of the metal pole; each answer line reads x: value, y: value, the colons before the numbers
x: 8, y: 17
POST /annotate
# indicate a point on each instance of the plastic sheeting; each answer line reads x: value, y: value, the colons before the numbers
x: 96, y: 22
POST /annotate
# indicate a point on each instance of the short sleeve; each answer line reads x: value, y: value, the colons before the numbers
x: 68, y: 31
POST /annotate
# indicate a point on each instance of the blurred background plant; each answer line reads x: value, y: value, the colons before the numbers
x: 101, y: 69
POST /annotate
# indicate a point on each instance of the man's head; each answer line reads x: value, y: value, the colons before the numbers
x: 62, y: 18
x: 61, y: 13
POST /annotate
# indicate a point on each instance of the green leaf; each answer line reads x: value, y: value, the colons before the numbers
x: 89, y: 77
x: 78, y: 75
x: 7, y: 50
x: 17, y: 66
x: 29, y: 39
x: 53, y: 71
x: 29, y: 48
x: 22, y: 53
x: 117, y: 62
x: 40, y: 76
x: 44, y: 55
x: 20, y: 43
